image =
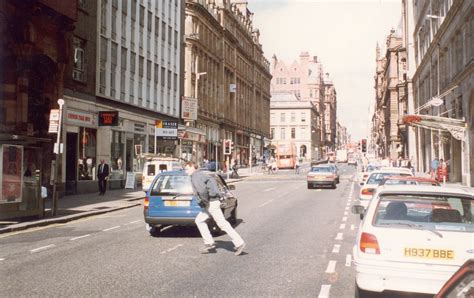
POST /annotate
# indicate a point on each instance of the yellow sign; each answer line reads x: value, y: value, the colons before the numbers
x: 158, y: 124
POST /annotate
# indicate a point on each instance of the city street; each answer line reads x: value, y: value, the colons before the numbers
x: 299, y: 243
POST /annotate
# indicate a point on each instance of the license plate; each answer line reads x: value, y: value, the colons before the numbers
x: 177, y: 203
x: 428, y: 253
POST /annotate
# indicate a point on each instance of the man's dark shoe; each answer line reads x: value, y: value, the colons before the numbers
x: 208, y: 248
x: 240, y: 249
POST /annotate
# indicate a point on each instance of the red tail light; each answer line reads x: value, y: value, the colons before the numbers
x: 369, y: 244
x: 146, y: 203
x: 368, y: 191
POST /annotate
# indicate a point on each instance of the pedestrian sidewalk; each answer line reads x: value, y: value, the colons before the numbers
x: 457, y: 185
x: 78, y: 206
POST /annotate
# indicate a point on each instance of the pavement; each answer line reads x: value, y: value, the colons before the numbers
x: 79, y: 206
x: 457, y: 185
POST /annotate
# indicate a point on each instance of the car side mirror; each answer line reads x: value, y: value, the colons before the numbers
x: 358, y: 209
x: 362, y: 183
x: 231, y: 187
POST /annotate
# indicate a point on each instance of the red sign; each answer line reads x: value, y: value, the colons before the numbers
x: 110, y: 118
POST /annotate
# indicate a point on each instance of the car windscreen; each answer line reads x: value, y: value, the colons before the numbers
x: 172, y: 185
x: 321, y: 169
x: 372, y: 168
x: 431, y: 212
x: 399, y: 182
x: 376, y: 178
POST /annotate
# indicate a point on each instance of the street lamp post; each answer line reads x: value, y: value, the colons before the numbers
x: 54, y: 205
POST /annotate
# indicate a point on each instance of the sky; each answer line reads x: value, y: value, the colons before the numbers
x: 343, y: 34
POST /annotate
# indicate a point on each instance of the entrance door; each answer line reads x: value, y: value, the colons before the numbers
x: 71, y: 163
x: 129, y: 155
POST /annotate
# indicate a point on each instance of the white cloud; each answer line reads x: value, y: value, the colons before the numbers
x: 343, y: 34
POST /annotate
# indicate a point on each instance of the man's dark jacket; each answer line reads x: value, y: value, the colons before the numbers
x: 205, y: 186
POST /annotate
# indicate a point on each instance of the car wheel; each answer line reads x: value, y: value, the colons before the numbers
x: 334, y: 186
x: 153, y: 230
x: 233, y: 216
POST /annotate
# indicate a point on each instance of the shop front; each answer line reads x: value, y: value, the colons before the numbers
x: 193, y: 145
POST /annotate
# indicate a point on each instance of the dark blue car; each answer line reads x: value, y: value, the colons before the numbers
x: 171, y: 201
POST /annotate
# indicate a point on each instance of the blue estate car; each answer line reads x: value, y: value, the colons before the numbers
x: 171, y: 201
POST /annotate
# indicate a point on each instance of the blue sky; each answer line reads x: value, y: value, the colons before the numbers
x: 343, y: 34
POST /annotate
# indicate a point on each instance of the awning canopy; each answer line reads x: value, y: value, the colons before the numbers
x: 456, y: 127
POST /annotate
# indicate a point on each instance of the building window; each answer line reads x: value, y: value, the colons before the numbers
x: 87, y: 153
x: 272, y: 133
x: 272, y: 117
x: 163, y: 30
x: 78, y: 72
x: 294, y: 81
x: 282, y: 117
x: 282, y: 133
x: 293, y: 133
x: 293, y: 117
x: 303, y: 117
x: 303, y: 132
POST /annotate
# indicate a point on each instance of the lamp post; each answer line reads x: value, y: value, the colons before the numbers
x: 57, y: 150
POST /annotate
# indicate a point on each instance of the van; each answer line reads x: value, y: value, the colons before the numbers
x: 155, y: 165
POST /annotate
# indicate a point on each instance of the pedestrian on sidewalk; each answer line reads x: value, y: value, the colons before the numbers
x: 434, y: 167
x: 209, y: 196
x: 103, y: 176
x: 297, y: 166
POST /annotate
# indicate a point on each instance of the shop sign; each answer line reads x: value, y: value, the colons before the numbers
x: 79, y: 118
x: 194, y: 137
x: 53, y: 121
x: 108, y: 118
x: 232, y: 88
x: 11, y: 176
x: 138, y: 127
x: 166, y: 130
x: 186, y: 143
x: 181, y: 131
x: 189, y: 108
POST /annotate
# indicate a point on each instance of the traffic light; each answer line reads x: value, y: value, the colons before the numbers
x: 227, y: 147
x: 364, y: 145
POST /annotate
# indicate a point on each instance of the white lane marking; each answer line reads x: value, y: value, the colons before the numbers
x: 269, y: 189
x: 352, y: 227
x: 345, y: 212
x: 171, y: 249
x: 110, y: 229
x: 331, y: 267
x: 348, y: 260
x: 136, y: 221
x: 336, y: 248
x: 80, y: 237
x: 339, y: 236
x: 283, y: 194
x: 342, y: 226
x: 2, y: 259
x: 266, y: 203
x: 42, y: 248
x: 324, y: 293
x: 344, y: 218
x: 319, y: 189
x: 347, y: 208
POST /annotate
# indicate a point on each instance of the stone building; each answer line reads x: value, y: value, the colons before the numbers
x: 294, y: 121
x: 443, y: 85
x: 35, y: 48
x: 305, y: 79
x: 126, y: 59
x: 226, y: 72
x: 388, y: 134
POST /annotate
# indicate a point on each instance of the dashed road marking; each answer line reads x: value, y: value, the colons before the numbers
x: 331, y: 267
x: 283, y: 194
x: 171, y: 249
x: 339, y: 236
x: 2, y: 259
x: 345, y: 212
x: 342, y: 226
x: 42, y: 248
x: 347, y: 208
x: 266, y: 203
x: 352, y: 227
x: 319, y: 189
x: 136, y: 221
x: 79, y: 237
x: 344, y: 218
x: 324, y: 293
x: 348, y: 260
x: 336, y: 248
x: 270, y: 189
x: 110, y: 229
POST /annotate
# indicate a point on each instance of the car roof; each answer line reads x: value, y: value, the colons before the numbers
x: 423, y: 189
x: 412, y: 178
x: 174, y: 173
x: 394, y: 170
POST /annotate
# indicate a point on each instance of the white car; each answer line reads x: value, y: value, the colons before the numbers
x: 412, y: 238
x: 368, y: 189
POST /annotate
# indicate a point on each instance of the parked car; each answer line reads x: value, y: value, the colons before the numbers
x: 171, y: 201
x: 373, y: 181
x: 321, y: 175
x: 461, y: 284
x: 365, y: 172
x: 408, y: 180
x: 412, y: 239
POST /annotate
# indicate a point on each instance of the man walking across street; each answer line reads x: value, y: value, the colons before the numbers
x: 103, y: 176
x: 209, y: 196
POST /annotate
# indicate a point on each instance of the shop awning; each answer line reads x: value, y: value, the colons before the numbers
x: 456, y: 127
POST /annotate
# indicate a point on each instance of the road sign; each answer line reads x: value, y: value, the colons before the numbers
x: 189, y: 108
x: 166, y: 130
x: 53, y: 121
x: 233, y: 88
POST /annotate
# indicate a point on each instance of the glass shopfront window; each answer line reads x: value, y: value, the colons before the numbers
x: 116, y: 155
x: 138, y: 140
x: 151, y: 144
x: 87, y: 153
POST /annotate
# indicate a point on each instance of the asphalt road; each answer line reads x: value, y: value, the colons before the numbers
x: 299, y: 243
